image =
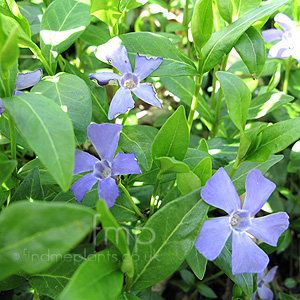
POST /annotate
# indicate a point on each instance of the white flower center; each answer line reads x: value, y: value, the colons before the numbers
x: 102, y: 169
x: 240, y: 220
x: 129, y: 84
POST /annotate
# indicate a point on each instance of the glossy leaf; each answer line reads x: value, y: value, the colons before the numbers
x: 6, y: 169
x: 97, y: 278
x: 75, y: 101
x: 177, y: 223
x: 169, y: 165
x: 188, y: 182
x: 204, y: 170
x: 39, y: 230
x: 36, y: 118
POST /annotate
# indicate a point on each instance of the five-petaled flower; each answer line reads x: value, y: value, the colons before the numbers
x: 105, y: 138
x: 24, y: 81
x: 129, y: 81
x: 220, y: 192
x: 289, y: 44
x: 262, y: 280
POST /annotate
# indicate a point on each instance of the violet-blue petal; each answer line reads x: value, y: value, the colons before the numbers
x: 104, y: 78
x: 17, y: 93
x: 145, y: 66
x: 213, y: 236
x: 247, y: 257
x: 147, y: 93
x: 2, y: 109
x: 116, y: 55
x: 108, y: 191
x: 254, y: 295
x: 285, y: 22
x: 105, y: 138
x: 220, y: 192
x: 125, y: 163
x: 121, y: 103
x: 26, y: 80
x: 265, y: 293
x: 271, y: 35
x: 84, y: 162
x: 280, y: 50
x: 83, y: 185
x: 269, y: 228
x: 258, y: 191
x: 271, y: 274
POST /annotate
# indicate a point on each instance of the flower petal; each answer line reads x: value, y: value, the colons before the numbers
x: 258, y: 191
x: 271, y: 274
x: 280, y: 50
x: 29, y: 79
x: 116, y: 55
x: 104, y: 78
x: 265, y: 293
x: 84, y: 162
x: 285, y: 22
x: 247, y: 257
x: 145, y: 66
x: 269, y: 228
x: 125, y: 163
x: 213, y: 236
x: 83, y: 185
x: 146, y: 92
x: 2, y: 109
x: 105, y: 138
x: 254, y: 295
x: 220, y: 192
x: 121, y: 103
x: 271, y: 35
x: 108, y: 191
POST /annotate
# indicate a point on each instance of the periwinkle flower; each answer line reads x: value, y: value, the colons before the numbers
x: 105, y: 138
x: 24, y: 81
x: 262, y: 280
x: 130, y: 81
x: 220, y: 192
x: 289, y: 44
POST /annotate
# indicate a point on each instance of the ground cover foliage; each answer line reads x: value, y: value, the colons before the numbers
x: 149, y: 149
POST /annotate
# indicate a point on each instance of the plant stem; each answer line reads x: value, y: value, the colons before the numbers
x: 13, y: 144
x: 213, y: 93
x: 152, y: 201
x: 213, y: 277
x: 234, y: 168
x: 136, y: 209
x: 198, y: 82
x: 287, y: 75
x: 185, y: 32
x: 37, y: 51
x: 125, y: 117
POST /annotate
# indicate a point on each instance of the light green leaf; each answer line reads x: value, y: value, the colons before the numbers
x: 169, y: 165
x: 188, y: 182
x: 204, y: 170
x: 225, y: 8
x: 6, y: 169
x: 48, y: 131
x: 39, y: 229
x: 242, y: 7
x: 126, y: 296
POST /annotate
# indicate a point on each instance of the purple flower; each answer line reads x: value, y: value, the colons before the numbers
x: 129, y: 81
x: 289, y: 44
x: 220, y: 192
x: 24, y: 81
x: 262, y: 280
x: 105, y: 138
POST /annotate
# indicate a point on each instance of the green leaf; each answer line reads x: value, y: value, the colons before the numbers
x: 48, y: 131
x: 204, y: 170
x: 169, y: 165
x: 6, y: 169
x: 267, y: 102
x: 31, y: 231
x: 126, y: 296
x: 175, y: 63
x: 75, y: 101
x: 284, y: 296
x: 188, y: 182
x: 176, y: 224
x: 225, y: 8
x: 62, y: 23
x: 98, y: 278
x: 96, y: 35
x: 173, y: 138
x: 197, y: 262
x: 276, y: 138
x: 11, y: 282
x: 52, y: 281
x: 224, y: 262
x: 223, y: 40
x: 237, y: 96
x: 203, y: 145
x: 242, y: 7
x: 131, y: 4
x: 202, y: 23
x: 30, y: 189
x: 206, y: 291
x: 251, y: 48
x: 135, y: 139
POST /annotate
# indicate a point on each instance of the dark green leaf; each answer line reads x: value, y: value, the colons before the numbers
x: 204, y: 170
x: 284, y: 296
x: 127, y: 296
x: 206, y: 291
x: 6, y: 168
x: 197, y: 262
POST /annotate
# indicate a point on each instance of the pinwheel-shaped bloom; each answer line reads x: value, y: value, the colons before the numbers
x: 129, y: 81
x: 220, y: 192
x: 289, y: 39
x: 24, y: 81
x: 105, y: 138
x: 262, y: 280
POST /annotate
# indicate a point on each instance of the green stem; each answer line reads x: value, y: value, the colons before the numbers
x: 125, y: 118
x: 287, y: 75
x: 198, y: 82
x: 132, y: 202
x: 152, y: 201
x: 185, y: 33
x: 13, y: 144
x: 37, y: 51
x: 213, y: 277
x: 234, y: 168
x: 213, y: 93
